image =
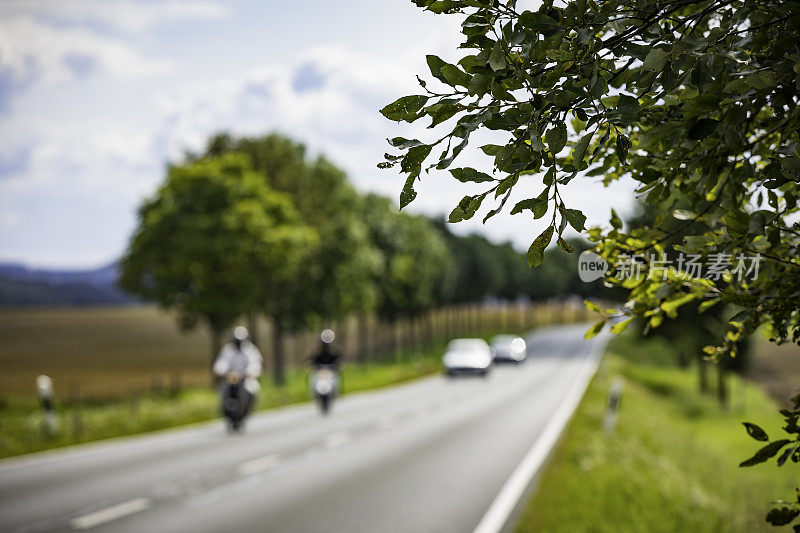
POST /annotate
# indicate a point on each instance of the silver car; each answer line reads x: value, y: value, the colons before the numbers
x: 467, y: 355
x: 509, y: 348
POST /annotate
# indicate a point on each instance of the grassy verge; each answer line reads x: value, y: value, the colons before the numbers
x: 671, y: 462
x: 22, y: 423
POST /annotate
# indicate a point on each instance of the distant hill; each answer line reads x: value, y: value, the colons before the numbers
x: 24, y: 286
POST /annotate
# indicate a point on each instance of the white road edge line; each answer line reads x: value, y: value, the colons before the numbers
x: 506, y: 500
x: 259, y: 465
x: 108, y: 514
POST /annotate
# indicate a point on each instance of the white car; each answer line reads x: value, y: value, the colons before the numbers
x: 509, y: 348
x: 467, y: 355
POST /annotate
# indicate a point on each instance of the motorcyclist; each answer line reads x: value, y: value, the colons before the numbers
x: 326, y: 356
x: 243, y: 357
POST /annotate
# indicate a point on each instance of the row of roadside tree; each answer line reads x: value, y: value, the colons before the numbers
x: 254, y: 226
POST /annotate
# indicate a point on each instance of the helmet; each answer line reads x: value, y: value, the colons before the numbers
x: 327, y: 336
x: 240, y: 334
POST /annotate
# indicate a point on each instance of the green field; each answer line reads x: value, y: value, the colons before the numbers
x: 127, y: 370
x: 670, y: 464
x: 22, y: 423
x: 97, y: 353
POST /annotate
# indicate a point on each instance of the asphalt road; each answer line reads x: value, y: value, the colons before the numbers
x: 430, y: 455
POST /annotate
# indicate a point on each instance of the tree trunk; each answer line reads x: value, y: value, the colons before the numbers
x: 216, y: 343
x: 722, y: 384
x: 252, y: 326
x: 278, y: 354
x: 362, y: 337
x: 702, y: 367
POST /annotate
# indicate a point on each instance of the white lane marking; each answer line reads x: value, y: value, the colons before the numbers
x: 386, y: 422
x: 259, y: 465
x: 506, y: 500
x: 108, y: 514
x: 337, y: 439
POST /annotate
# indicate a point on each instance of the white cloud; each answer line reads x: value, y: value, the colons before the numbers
x: 33, y: 51
x: 124, y: 15
x: 338, y: 116
x: 94, y: 146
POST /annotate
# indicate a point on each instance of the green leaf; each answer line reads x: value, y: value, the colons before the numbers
x: 575, y: 218
x: 455, y: 76
x: 623, y: 144
x: 402, y: 144
x: 556, y: 137
x: 627, y: 109
x: 443, y: 112
x: 564, y: 245
x: 408, y: 193
x: 414, y: 158
x: 456, y: 215
x: 782, y: 516
x: 787, y: 453
x: 599, y: 87
x: 538, y: 22
x: 536, y: 250
x: 479, y: 85
x: 791, y: 168
x: 468, y: 174
x: 755, y: 431
x: 591, y: 306
x: 558, y: 55
x: 766, y: 452
x: 621, y: 326
x: 656, y: 60
x: 497, y: 59
x: 580, y: 148
x: 506, y: 184
x: 671, y: 306
x: 708, y: 304
x: 538, y: 205
x: 405, y: 109
x: 616, y: 222
x: 595, y: 329
x: 435, y: 65
x: 702, y: 129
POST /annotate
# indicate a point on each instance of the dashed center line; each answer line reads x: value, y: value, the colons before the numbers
x: 259, y: 465
x: 108, y: 514
x: 338, y: 439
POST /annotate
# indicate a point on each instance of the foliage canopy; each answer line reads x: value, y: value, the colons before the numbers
x: 694, y: 100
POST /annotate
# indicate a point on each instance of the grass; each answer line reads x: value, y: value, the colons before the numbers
x: 97, y: 353
x: 22, y: 423
x: 671, y: 462
x: 110, y: 353
x: 123, y: 371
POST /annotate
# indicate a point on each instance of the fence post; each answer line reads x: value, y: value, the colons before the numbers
x: 44, y: 387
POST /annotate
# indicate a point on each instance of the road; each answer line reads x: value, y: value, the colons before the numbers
x: 430, y: 455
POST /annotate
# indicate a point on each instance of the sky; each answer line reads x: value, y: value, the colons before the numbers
x: 98, y: 96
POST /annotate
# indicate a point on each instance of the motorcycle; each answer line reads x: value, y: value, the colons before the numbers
x: 235, y: 401
x: 324, y: 384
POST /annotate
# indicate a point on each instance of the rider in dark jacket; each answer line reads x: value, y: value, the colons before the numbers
x: 326, y: 356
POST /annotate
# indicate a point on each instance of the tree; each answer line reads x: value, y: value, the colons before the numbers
x: 210, y: 244
x: 335, y: 278
x: 416, y: 271
x: 694, y: 100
